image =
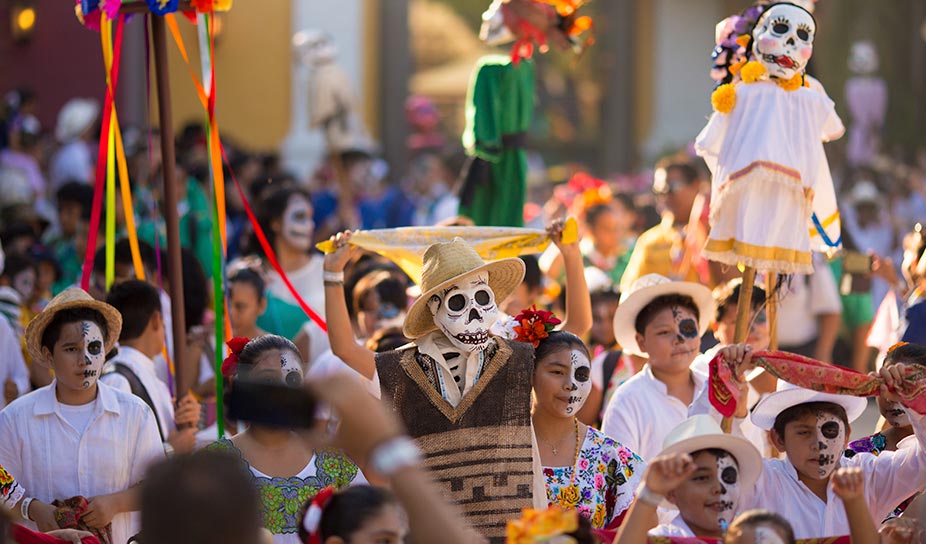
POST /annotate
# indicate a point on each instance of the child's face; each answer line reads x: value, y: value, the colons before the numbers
x: 602, y: 331
x: 814, y: 444
x: 278, y: 366
x: 758, y: 336
x: 24, y: 283
x: 244, y: 306
x: 893, y: 412
x: 711, y: 494
x: 671, y: 339
x: 78, y: 355
x: 562, y: 382
x: 387, y: 527
x: 68, y: 217
x: 297, y: 225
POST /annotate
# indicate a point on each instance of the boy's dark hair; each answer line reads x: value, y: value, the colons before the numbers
x: 907, y: 353
x: 123, y: 256
x: 250, y: 277
x: 716, y: 452
x: 533, y: 277
x: 558, y: 340
x: 16, y: 263
x: 808, y: 408
x: 348, y: 510
x: 52, y: 331
x: 660, y: 303
x: 137, y: 301
x: 204, y: 498
x: 602, y: 296
x: 727, y: 295
x: 76, y: 192
x: 755, y: 518
x: 390, y: 291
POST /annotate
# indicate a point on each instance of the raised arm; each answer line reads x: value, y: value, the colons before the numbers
x: 578, y: 319
x: 340, y: 331
x: 662, y: 475
x: 849, y: 484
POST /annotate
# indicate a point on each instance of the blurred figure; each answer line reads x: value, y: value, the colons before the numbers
x: 74, y: 159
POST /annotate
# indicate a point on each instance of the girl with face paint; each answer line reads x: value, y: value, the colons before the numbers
x: 582, y: 468
x: 279, y: 459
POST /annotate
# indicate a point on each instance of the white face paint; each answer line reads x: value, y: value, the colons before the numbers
x: 297, y: 223
x: 94, y: 352
x: 894, y: 413
x: 465, y: 311
x: 581, y: 384
x: 291, y: 368
x: 783, y: 40
x: 729, y: 478
x: 831, y: 442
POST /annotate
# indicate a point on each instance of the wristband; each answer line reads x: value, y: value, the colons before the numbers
x: 24, y: 508
x: 647, y: 496
x: 327, y: 275
x: 394, y: 455
x: 334, y: 283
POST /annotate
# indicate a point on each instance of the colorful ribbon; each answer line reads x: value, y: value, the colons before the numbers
x: 814, y: 375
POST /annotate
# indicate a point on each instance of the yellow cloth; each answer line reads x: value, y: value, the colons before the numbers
x: 660, y: 250
x: 406, y: 246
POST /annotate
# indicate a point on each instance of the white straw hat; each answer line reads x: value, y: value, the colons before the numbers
x: 788, y: 395
x: 75, y: 117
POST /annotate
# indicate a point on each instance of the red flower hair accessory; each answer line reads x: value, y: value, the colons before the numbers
x: 313, y: 514
x: 534, y: 325
x: 230, y: 364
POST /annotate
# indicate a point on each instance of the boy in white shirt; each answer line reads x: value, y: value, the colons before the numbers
x: 77, y: 437
x: 133, y: 369
x: 813, y: 429
x: 663, y: 319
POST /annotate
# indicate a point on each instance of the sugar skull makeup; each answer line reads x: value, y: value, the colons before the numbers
x: 297, y: 226
x: 894, y: 413
x: 292, y: 370
x: 465, y: 311
x: 728, y: 476
x: 783, y: 40
x: 581, y: 384
x: 94, y: 352
x: 831, y: 441
x: 687, y: 327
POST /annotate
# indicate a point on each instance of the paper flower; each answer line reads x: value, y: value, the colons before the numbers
x: 724, y: 98
x: 230, y: 364
x: 792, y: 84
x: 752, y: 71
x: 542, y: 526
x: 534, y: 325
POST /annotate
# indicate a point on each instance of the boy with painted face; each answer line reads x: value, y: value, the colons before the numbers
x: 813, y: 429
x: 77, y: 436
x: 664, y: 320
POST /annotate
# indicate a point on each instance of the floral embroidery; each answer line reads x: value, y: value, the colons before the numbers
x: 282, y: 498
x: 10, y: 491
x: 608, y: 474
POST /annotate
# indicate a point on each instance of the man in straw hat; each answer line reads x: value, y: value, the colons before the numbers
x: 463, y: 394
x: 813, y: 429
x: 77, y: 437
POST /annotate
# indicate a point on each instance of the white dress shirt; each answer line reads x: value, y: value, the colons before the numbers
x: 53, y: 461
x: 12, y: 364
x: 641, y: 413
x: 676, y: 528
x: 890, y: 478
x: 144, y: 369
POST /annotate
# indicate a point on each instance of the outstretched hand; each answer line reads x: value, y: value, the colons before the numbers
x: 338, y: 259
x: 555, y: 232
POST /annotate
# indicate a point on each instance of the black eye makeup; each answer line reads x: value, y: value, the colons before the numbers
x: 830, y: 429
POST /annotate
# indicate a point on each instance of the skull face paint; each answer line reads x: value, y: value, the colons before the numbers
x: 783, y: 40
x: 292, y: 370
x: 728, y: 476
x: 831, y: 442
x: 894, y: 413
x: 297, y: 225
x: 465, y: 311
x: 687, y: 327
x: 581, y: 384
x: 94, y: 354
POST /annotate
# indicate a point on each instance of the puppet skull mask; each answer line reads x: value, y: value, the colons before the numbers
x: 465, y: 311
x: 831, y: 442
x: 783, y: 40
x: 728, y: 474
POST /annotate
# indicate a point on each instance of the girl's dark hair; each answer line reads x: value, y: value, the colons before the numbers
x: 907, y: 353
x: 52, y: 331
x: 348, y: 510
x: 559, y: 340
x: 252, y: 278
x: 256, y: 347
x: 755, y: 518
x: 272, y: 208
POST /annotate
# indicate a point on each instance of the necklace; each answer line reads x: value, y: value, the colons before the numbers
x: 555, y: 447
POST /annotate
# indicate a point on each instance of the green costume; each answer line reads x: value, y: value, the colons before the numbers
x: 499, y: 111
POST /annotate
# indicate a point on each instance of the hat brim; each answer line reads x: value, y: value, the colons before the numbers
x: 504, y: 277
x: 626, y: 315
x: 748, y: 458
x: 765, y: 413
x: 39, y: 323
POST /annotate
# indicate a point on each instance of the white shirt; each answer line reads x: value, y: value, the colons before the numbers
x: 144, y: 369
x: 12, y: 364
x: 890, y: 478
x: 677, y: 527
x: 308, y: 282
x: 52, y: 461
x: 641, y: 413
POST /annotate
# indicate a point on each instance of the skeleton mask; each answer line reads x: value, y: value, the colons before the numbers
x: 292, y: 370
x: 581, y: 384
x: 94, y: 352
x: 728, y: 475
x: 465, y: 311
x: 831, y: 441
x: 783, y: 40
x: 297, y: 223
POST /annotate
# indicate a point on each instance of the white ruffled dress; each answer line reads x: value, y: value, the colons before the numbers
x: 772, y: 197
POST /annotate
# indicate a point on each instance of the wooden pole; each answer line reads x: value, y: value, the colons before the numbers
x: 171, y: 217
x: 771, y: 304
x: 743, y: 311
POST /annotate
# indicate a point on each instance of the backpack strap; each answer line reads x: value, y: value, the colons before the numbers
x: 138, y: 389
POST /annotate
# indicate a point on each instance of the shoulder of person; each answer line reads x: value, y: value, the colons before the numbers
x: 133, y: 405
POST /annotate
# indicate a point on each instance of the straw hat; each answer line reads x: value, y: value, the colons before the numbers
x: 76, y: 116
x: 788, y: 395
x: 444, y: 263
x: 646, y: 289
x: 701, y: 432
x: 66, y: 300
